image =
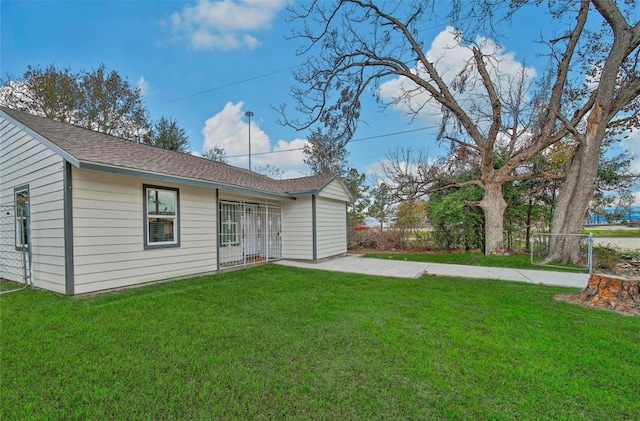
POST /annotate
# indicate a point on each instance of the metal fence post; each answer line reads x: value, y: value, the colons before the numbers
x: 27, y: 214
x: 590, y: 254
x: 532, y: 245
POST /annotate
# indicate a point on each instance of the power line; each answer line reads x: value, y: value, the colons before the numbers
x: 260, y: 76
x: 206, y: 91
x: 392, y: 134
x: 351, y: 141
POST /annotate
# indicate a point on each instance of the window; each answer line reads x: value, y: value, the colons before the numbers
x: 161, y: 217
x: 21, y: 197
x: 229, y: 225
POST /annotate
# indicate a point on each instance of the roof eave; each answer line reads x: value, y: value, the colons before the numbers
x: 313, y: 191
x: 175, y: 179
x: 319, y: 189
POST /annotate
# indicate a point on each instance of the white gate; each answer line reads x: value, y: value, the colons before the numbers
x: 249, y: 233
x: 15, y: 238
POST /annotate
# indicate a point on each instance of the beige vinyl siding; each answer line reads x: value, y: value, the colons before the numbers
x: 331, y: 227
x: 25, y: 161
x: 297, y: 225
x: 109, y: 233
x: 335, y: 190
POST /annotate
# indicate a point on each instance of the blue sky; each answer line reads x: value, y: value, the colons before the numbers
x: 206, y: 63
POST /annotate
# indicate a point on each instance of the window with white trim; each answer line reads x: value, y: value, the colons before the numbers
x: 21, y: 198
x: 229, y: 233
x: 161, y: 216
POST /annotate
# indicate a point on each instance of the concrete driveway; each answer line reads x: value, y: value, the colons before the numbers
x: 356, y: 264
x: 413, y: 270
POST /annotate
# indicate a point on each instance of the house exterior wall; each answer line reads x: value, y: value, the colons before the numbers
x: 331, y: 227
x: 24, y: 161
x: 108, y: 231
x: 297, y: 229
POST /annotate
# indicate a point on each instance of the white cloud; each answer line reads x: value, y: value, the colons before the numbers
x: 450, y: 58
x: 143, y: 85
x: 229, y: 129
x: 224, y: 24
x: 375, y: 169
x: 632, y: 144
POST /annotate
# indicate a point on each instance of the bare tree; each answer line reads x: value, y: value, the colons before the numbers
x: 360, y: 44
x: 486, y: 113
x: 611, y: 103
x: 271, y: 171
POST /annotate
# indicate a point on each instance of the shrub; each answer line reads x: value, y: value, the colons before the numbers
x: 605, y: 258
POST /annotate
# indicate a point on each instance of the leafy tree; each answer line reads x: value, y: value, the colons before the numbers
x: 523, y: 209
x: 325, y: 154
x: 356, y: 182
x: 615, y: 180
x: 624, y: 204
x: 382, y: 201
x: 51, y: 92
x: 166, y: 134
x: 598, y: 206
x: 455, y: 224
x: 360, y: 43
x: 110, y: 104
x: 411, y: 216
x: 217, y: 154
x: 98, y: 100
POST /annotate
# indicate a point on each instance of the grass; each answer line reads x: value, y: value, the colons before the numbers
x: 516, y: 261
x: 284, y: 343
x: 632, y: 233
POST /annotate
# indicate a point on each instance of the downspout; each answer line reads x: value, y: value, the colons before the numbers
x: 314, y: 233
x: 267, y: 230
x: 346, y: 225
x: 27, y: 214
x: 217, y: 233
x: 67, y: 198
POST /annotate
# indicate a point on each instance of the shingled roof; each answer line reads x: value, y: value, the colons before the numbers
x: 87, y: 148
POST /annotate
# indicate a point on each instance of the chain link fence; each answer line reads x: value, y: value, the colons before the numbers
x: 562, y: 250
x: 14, y: 244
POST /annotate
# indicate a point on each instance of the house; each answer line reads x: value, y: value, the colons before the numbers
x: 106, y: 212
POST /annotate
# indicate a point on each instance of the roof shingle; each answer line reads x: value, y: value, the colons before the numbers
x: 92, y: 147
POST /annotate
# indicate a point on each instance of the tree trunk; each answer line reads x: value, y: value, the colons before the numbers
x: 609, y: 292
x: 493, y: 206
x: 576, y: 191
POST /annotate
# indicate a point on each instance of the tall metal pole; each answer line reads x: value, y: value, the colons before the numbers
x: 249, y: 114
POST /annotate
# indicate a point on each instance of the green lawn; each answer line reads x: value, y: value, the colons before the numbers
x: 284, y: 343
x: 518, y: 261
